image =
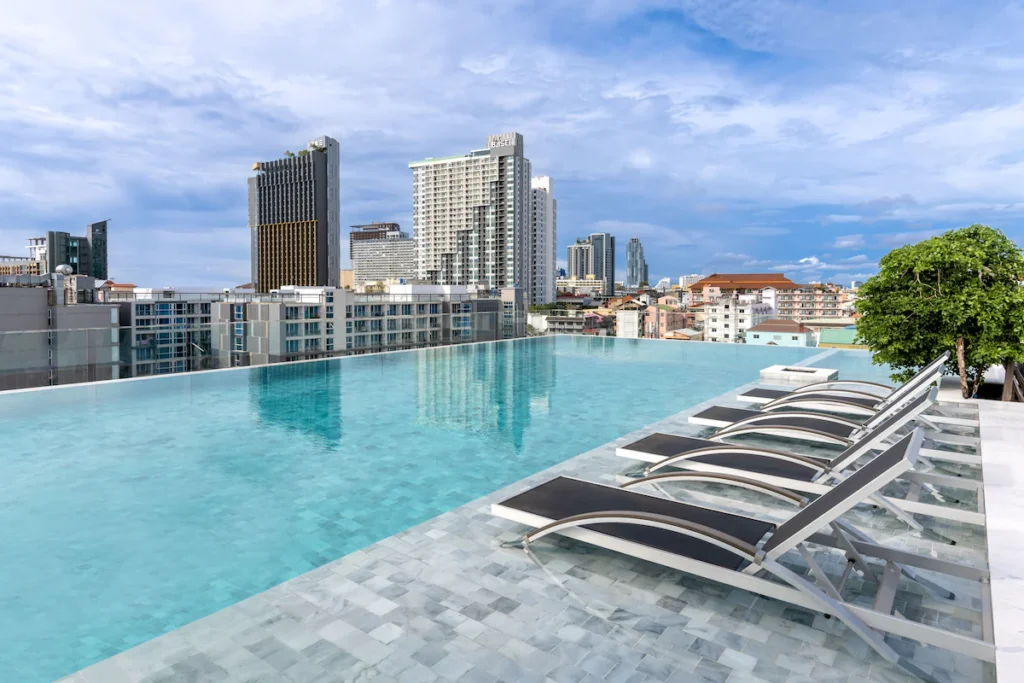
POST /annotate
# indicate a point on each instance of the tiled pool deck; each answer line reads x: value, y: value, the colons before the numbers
x: 444, y: 601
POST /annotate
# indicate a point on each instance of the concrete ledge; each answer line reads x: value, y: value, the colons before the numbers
x: 792, y: 374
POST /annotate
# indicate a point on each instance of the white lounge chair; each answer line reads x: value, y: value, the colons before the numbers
x: 735, y: 550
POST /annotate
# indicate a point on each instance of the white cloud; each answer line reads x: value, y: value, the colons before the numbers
x: 653, y: 236
x: 849, y: 242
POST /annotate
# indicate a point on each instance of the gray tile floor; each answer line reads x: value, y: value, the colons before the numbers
x: 445, y: 601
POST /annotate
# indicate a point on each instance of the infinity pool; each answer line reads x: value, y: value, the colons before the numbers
x: 131, y: 508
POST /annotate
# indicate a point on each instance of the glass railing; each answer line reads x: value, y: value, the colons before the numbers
x: 38, y: 358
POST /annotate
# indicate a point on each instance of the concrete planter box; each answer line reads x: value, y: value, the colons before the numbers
x: 788, y: 374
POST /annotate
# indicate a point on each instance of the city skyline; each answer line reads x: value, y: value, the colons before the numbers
x: 811, y: 140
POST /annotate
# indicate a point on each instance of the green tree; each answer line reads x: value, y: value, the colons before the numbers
x: 960, y: 292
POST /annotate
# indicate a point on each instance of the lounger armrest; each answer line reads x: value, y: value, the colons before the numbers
x: 829, y: 393
x: 673, y: 524
x: 737, y: 430
x: 727, y: 479
x: 809, y: 463
x: 799, y: 399
x: 822, y: 417
x: 841, y: 383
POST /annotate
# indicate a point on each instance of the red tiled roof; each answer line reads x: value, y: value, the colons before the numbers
x: 779, y: 325
x: 744, y: 281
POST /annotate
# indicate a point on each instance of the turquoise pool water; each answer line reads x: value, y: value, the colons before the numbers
x: 131, y: 508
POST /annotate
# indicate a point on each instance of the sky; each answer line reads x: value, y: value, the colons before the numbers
x: 792, y: 136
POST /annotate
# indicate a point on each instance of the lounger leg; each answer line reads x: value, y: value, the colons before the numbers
x: 829, y: 605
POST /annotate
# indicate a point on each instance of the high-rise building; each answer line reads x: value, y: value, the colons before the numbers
x: 686, y: 280
x: 581, y: 260
x: 604, y: 260
x: 87, y: 255
x: 294, y: 218
x: 636, y: 266
x: 543, y: 240
x: 471, y: 216
x: 381, y: 252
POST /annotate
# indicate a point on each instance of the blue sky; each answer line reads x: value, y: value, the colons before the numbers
x: 729, y: 135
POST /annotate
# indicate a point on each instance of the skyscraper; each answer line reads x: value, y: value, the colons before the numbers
x: 471, y: 216
x: 543, y: 233
x: 636, y: 266
x: 581, y: 259
x: 294, y: 218
x: 604, y: 260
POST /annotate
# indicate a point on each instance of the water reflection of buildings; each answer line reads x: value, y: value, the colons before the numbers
x: 492, y: 387
x: 303, y: 397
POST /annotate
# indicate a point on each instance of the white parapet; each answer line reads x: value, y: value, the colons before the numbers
x: 788, y: 374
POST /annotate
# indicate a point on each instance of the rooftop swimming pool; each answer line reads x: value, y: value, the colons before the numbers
x: 131, y: 508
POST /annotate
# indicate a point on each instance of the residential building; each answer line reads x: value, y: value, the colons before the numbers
x: 664, y: 285
x: 294, y: 218
x: 728, y: 319
x: 380, y: 252
x: 543, y: 241
x: 718, y: 285
x: 19, y: 265
x: 805, y: 302
x: 296, y: 323
x: 673, y: 300
x: 87, y: 254
x: 571, y: 321
x: 604, y: 259
x: 629, y: 320
x: 581, y: 261
x: 686, y: 280
x: 780, y: 332
x: 839, y: 338
x: 168, y: 330
x: 471, y: 216
x: 587, y: 286
x: 51, y: 332
x: 855, y: 284
x: 659, y: 319
x: 346, y: 279
x: 636, y: 266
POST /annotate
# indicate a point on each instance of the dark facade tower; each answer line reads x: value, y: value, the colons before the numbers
x: 294, y: 219
x: 86, y: 255
x: 96, y: 236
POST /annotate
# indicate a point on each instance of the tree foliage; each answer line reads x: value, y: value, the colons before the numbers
x: 959, y: 292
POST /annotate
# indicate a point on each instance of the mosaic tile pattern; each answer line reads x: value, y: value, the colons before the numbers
x: 445, y: 601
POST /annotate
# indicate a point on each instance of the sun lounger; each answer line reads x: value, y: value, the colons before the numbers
x: 735, y: 550
x: 853, y: 396
x: 808, y: 474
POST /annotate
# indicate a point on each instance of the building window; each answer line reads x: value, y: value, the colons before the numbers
x: 239, y: 329
x: 392, y: 324
x: 239, y: 312
x: 204, y: 309
x: 434, y: 309
x: 376, y: 310
x: 143, y: 309
x: 329, y: 297
x: 348, y: 311
x: 312, y: 312
x: 392, y: 309
x: 330, y: 311
x: 330, y: 328
x: 312, y: 328
x: 796, y: 338
x: 406, y: 309
x: 291, y: 346
x: 291, y: 313
x: 330, y: 343
x: 376, y: 325
x: 291, y: 330
x: 312, y: 344
x: 239, y: 343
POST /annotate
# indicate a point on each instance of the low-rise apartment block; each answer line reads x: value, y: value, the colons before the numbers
x: 660, y: 319
x: 728, y: 319
x: 805, y: 302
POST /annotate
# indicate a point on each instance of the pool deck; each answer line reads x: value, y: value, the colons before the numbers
x: 444, y: 601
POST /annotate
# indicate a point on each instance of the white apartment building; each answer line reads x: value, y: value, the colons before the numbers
x: 471, y: 216
x: 388, y: 258
x: 588, y: 286
x: 728, y: 318
x: 686, y: 280
x: 580, y: 263
x: 543, y: 241
x: 629, y: 321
